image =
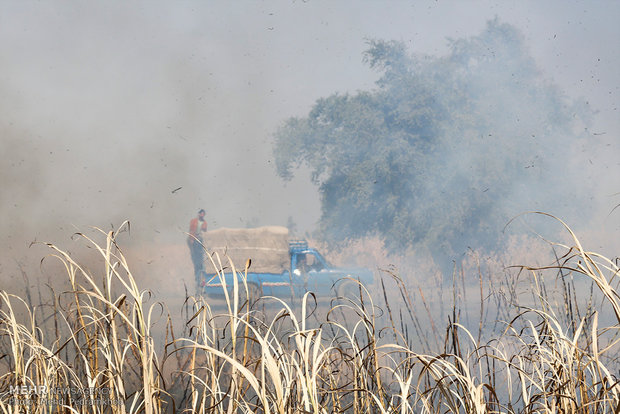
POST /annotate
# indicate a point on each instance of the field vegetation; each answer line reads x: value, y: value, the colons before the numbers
x: 95, y: 346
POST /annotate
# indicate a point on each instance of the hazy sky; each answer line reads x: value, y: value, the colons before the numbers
x: 108, y: 107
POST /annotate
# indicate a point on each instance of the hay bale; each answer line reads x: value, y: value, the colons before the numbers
x: 267, y: 247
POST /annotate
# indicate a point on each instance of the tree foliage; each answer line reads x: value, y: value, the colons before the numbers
x: 444, y: 151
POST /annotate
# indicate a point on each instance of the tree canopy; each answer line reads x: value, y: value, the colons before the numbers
x: 443, y: 152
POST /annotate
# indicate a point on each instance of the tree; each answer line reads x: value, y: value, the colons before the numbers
x: 443, y: 152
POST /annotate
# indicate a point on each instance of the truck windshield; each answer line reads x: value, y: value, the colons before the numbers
x: 315, y: 261
x: 309, y: 261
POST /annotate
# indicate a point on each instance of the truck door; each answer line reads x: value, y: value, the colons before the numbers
x: 318, y: 277
x: 310, y: 274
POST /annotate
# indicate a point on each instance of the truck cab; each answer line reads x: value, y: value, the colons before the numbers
x: 312, y: 268
x: 308, y: 271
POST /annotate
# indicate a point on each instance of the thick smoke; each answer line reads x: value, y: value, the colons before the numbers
x: 146, y: 114
x: 107, y: 109
x: 447, y: 150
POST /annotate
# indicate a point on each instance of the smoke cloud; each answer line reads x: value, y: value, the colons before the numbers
x: 150, y: 111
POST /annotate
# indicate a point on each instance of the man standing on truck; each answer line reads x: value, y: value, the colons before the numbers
x: 197, y: 227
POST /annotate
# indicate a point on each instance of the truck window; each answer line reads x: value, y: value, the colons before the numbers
x: 301, y: 266
x: 307, y: 262
x: 313, y: 262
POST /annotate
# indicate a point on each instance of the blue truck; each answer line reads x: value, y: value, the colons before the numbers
x: 307, y: 271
